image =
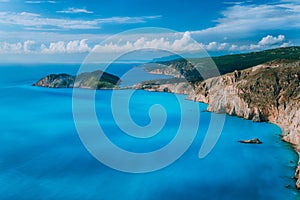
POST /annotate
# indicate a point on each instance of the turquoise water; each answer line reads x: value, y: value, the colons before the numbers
x: 42, y: 156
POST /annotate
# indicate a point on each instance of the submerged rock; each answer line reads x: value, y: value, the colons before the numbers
x: 252, y: 141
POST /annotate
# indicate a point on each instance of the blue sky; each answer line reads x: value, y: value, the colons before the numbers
x: 66, y: 31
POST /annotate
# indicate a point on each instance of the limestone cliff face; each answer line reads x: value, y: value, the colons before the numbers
x: 268, y: 92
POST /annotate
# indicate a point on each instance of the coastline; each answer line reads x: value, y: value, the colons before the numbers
x: 282, y: 127
x: 265, y: 93
x: 233, y: 94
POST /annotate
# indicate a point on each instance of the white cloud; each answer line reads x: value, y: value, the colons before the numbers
x: 11, y: 48
x: 35, y: 21
x: 286, y: 44
x: 126, y: 20
x: 38, y: 2
x: 74, y: 46
x: 27, y: 45
x: 33, y: 2
x: 77, y: 46
x: 75, y: 10
x: 265, y: 43
x: 181, y: 43
x: 16, y: 48
x: 27, y: 14
x: 270, y: 40
x: 54, y: 47
x: 244, y: 20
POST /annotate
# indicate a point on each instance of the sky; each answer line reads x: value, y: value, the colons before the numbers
x: 67, y: 31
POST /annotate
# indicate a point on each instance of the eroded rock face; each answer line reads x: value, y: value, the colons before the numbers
x: 264, y: 93
x: 89, y: 80
x: 269, y: 92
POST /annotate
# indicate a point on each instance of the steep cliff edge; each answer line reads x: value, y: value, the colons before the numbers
x: 267, y: 92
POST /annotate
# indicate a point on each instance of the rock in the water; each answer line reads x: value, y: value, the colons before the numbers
x: 288, y: 186
x: 253, y: 141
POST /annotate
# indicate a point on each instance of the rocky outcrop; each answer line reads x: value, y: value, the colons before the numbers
x: 252, y: 141
x: 88, y: 80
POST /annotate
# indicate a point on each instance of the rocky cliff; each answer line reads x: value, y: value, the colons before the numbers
x: 89, y: 80
x: 267, y: 92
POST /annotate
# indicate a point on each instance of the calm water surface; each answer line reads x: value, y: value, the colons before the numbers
x: 42, y: 157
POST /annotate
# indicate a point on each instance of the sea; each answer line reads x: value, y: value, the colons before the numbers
x: 42, y: 155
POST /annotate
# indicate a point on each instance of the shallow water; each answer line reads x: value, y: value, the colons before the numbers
x: 43, y: 157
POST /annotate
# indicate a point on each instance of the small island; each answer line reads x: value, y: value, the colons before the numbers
x: 88, y: 80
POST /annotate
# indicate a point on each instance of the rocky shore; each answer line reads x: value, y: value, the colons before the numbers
x: 267, y: 92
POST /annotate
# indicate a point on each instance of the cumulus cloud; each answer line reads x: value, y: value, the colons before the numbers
x: 75, y: 46
x: 6, y: 47
x: 215, y: 46
x: 27, y: 45
x: 16, y: 48
x: 266, y: 42
x: 75, y: 10
x: 182, y: 44
x: 270, y: 40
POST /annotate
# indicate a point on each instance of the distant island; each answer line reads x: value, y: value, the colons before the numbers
x: 88, y: 80
x: 259, y: 86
